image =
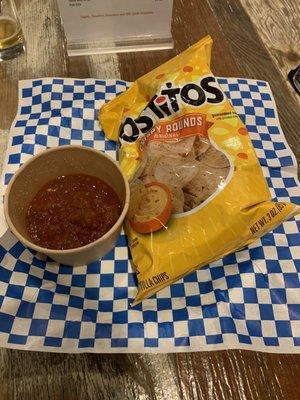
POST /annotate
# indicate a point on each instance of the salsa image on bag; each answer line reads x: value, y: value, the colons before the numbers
x: 197, y: 188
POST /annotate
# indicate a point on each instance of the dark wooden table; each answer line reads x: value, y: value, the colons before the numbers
x: 241, y: 48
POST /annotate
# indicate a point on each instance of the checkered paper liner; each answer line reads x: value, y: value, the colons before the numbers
x: 249, y: 299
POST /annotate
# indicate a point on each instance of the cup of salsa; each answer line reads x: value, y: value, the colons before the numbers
x: 68, y: 202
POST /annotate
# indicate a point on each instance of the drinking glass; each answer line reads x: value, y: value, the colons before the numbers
x: 12, y: 42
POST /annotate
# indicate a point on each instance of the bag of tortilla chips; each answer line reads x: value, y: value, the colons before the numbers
x: 197, y: 189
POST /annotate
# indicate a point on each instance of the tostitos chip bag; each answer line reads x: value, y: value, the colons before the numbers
x: 197, y: 189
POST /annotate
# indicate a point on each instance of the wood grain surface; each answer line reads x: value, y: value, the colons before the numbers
x: 277, y: 23
x: 255, y: 61
x: 253, y: 39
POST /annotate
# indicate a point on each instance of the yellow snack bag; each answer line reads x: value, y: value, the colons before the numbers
x: 197, y: 188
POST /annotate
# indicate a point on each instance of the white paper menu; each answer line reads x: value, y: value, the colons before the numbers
x: 106, y: 26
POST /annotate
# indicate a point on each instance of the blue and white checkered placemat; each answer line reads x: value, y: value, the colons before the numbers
x: 249, y: 300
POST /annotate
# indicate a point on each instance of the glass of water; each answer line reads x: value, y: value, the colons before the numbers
x: 12, y: 41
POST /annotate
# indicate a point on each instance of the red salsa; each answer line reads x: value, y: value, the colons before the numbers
x: 72, y: 211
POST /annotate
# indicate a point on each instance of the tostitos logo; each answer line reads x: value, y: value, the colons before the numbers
x: 168, y: 102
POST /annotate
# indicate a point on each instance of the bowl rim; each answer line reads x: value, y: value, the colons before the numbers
x: 47, y: 250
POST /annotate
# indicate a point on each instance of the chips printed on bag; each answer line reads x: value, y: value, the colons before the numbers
x: 197, y: 189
